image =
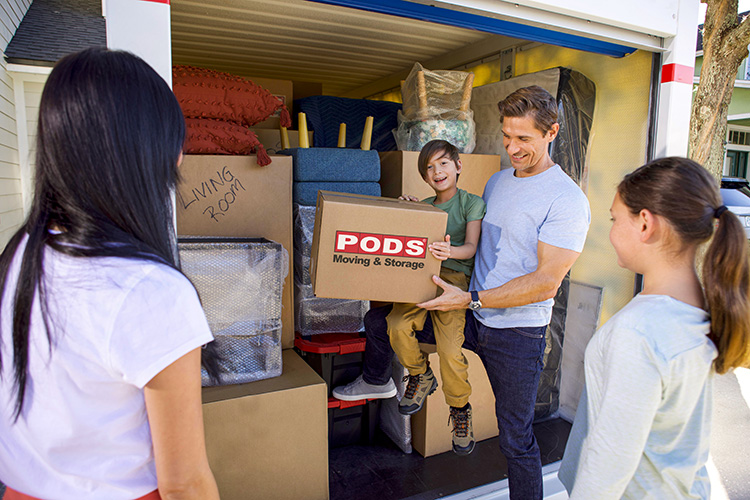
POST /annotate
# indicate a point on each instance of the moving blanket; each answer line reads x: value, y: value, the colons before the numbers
x: 325, y: 113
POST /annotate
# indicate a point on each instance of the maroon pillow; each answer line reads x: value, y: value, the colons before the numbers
x: 216, y: 137
x: 204, y: 93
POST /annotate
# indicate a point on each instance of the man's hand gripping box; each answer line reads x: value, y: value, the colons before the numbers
x: 371, y: 248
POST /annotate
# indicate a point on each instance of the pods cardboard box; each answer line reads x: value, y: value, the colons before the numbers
x: 371, y: 248
x: 399, y: 174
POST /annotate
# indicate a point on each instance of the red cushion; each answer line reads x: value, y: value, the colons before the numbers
x: 204, y: 93
x: 216, y: 137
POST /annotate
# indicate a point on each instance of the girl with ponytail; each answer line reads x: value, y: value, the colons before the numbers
x: 642, y: 429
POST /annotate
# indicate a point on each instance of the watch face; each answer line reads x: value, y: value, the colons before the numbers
x: 474, y: 305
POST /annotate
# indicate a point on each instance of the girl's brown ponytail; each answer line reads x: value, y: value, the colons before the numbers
x: 727, y: 289
x: 684, y: 193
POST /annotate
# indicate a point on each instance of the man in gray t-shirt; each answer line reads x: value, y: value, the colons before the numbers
x: 534, y: 230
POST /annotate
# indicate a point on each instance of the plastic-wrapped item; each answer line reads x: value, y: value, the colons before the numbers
x: 575, y: 95
x: 548, y: 392
x: 395, y: 425
x: 436, y: 106
x: 247, y: 358
x: 316, y: 315
x: 413, y: 135
x: 304, y: 224
x: 240, y: 282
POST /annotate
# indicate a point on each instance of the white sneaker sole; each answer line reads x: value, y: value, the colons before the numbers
x: 372, y: 395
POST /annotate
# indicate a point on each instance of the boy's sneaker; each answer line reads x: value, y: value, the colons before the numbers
x: 463, y: 433
x: 359, y: 389
x: 418, y: 387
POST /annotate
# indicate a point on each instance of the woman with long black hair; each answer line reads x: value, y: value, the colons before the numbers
x: 100, y: 332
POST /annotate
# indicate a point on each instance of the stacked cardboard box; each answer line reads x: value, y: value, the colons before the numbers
x: 234, y: 196
x: 268, y: 439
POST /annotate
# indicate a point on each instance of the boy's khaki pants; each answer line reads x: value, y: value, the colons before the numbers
x: 405, y: 319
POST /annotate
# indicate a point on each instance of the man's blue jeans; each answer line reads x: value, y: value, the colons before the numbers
x: 513, y: 360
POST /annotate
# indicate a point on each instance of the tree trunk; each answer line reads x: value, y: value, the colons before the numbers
x: 725, y: 42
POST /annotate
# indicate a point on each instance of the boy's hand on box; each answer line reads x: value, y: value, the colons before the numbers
x: 441, y: 250
x: 408, y: 197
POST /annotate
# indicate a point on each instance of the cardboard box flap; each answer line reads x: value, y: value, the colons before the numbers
x: 296, y: 373
x: 374, y: 201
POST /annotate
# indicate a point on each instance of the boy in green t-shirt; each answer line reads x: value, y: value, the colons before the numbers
x: 440, y: 167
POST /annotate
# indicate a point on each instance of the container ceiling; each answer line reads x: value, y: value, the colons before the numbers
x: 350, y: 52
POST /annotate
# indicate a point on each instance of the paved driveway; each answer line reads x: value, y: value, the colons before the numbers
x: 730, y: 439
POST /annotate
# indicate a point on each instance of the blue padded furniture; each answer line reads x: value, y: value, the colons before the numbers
x: 334, y: 164
x: 325, y: 113
x: 306, y: 193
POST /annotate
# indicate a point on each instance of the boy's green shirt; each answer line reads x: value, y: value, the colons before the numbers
x: 463, y: 207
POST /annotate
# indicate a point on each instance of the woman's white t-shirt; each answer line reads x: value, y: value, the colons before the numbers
x: 114, y: 324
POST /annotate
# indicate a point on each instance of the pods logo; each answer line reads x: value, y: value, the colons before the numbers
x: 380, y: 244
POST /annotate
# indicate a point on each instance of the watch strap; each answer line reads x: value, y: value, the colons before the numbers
x: 474, y: 296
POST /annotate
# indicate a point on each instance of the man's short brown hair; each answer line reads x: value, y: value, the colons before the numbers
x: 431, y: 149
x: 533, y: 101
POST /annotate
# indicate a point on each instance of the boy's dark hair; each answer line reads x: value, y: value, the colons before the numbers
x: 431, y: 149
x: 534, y: 101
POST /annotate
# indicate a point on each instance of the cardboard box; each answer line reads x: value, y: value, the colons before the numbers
x: 284, y: 90
x: 371, y: 248
x: 306, y: 89
x: 429, y: 433
x: 269, y: 439
x: 399, y: 174
x: 234, y: 196
x: 271, y: 139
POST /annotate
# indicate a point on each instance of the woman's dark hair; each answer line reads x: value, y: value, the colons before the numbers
x: 684, y: 193
x: 432, y: 148
x: 109, y: 137
x: 533, y: 101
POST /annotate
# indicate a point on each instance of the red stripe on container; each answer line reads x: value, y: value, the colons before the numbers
x: 677, y: 73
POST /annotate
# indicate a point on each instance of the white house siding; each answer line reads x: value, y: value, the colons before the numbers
x: 32, y: 91
x: 11, y: 200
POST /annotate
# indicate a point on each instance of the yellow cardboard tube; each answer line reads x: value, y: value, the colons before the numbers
x: 284, y: 138
x: 367, y: 134
x: 342, y: 135
x: 304, y: 139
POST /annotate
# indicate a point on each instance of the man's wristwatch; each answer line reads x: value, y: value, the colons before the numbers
x: 475, y: 302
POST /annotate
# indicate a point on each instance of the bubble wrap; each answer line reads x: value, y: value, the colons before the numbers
x: 413, y: 135
x: 304, y: 224
x: 438, y: 94
x: 395, y: 425
x: 240, y: 282
x: 436, y: 106
x: 316, y: 315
